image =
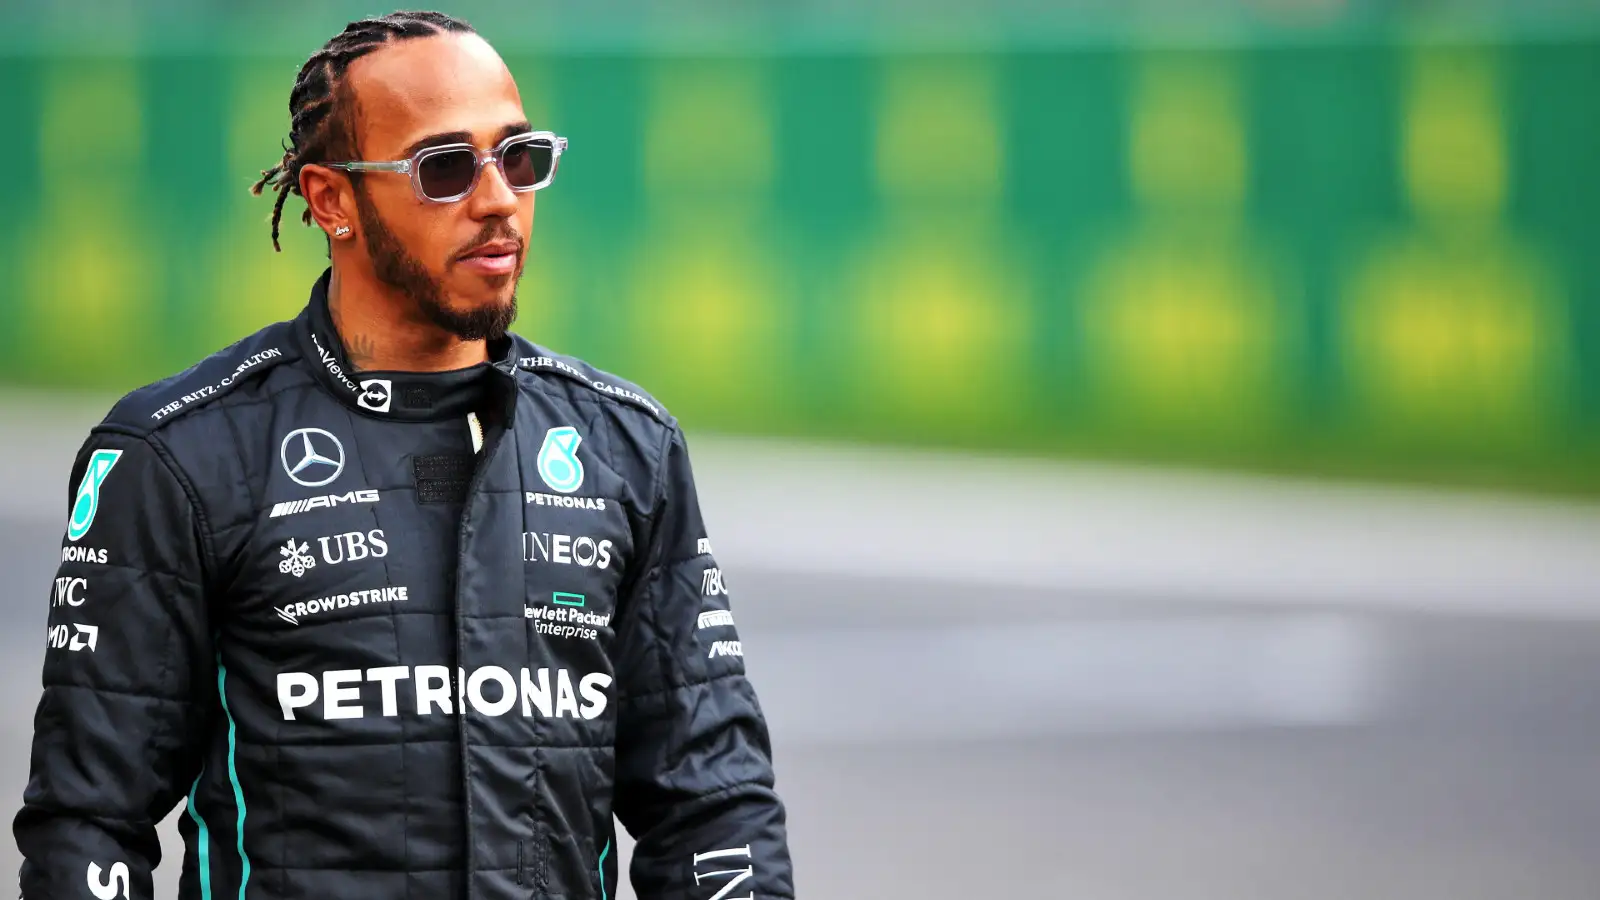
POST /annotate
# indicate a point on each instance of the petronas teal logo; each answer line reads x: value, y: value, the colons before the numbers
x: 559, y: 465
x: 88, y: 499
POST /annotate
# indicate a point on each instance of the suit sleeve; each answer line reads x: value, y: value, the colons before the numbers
x: 694, y: 762
x: 129, y: 678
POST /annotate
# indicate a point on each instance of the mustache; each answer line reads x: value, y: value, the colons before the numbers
x: 496, y: 230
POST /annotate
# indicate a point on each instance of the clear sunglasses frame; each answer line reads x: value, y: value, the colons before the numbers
x: 413, y: 166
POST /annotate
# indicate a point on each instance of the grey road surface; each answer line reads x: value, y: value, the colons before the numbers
x: 1006, y: 679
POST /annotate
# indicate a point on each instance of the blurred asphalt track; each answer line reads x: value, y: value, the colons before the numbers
x: 1006, y: 678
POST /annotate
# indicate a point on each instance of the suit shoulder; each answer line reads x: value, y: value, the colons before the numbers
x: 546, y: 363
x: 160, y: 403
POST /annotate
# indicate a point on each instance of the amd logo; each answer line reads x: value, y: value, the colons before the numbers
x: 79, y: 638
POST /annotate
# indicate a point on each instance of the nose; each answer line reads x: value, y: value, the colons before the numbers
x: 493, y: 196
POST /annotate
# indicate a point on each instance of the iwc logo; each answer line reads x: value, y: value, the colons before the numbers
x: 559, y: 465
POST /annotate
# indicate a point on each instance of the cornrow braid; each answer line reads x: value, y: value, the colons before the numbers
x: 321, y: 120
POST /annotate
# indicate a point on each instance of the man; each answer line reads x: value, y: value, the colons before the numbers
x: 403, y: 606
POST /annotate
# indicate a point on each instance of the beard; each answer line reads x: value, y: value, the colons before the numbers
x: 398, y: 269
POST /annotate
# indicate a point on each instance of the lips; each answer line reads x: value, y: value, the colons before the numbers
x: 493, y: 248
x: 494, y: 259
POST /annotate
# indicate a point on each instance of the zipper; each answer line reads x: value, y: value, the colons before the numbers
x: 478, y: 474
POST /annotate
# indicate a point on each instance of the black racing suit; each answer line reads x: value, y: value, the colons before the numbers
x: 416, y: 637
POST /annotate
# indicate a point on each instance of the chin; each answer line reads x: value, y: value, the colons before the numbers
x: 478, y: 314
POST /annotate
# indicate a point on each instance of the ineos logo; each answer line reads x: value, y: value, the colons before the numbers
x: 311, y: 456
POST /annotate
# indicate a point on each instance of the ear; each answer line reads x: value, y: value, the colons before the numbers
x: 331, y: 200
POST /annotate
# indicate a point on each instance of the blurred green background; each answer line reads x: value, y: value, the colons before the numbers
x: 1341, y: 238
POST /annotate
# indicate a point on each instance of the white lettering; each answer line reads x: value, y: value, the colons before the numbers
x: 387, y: 677
x: 592, y: 686
x: 334, y: 693
x: 67, y: 591
x: 342, y: 697
x: 352, y: 546
x: 327, y: 501
x: 508, y: 691
x: 187, y: 399
x: 595, y: 503
x: 716, y: 618
x: 725, y: 648
x: 565, y: 701
x: 290, y: 699
x: 72, y: 553
x: 578, y: 546
x: 538, y: 695
x: 702, y: 547
x: 739, y: 875
x: 565, y: 549
x: 108, y: 889
x: 433, y: 689
x: 711, y: 583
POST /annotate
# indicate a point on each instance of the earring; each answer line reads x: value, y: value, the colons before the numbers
x: 341, y: 231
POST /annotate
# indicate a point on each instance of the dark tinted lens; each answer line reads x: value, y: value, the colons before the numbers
x: 448, y: 173
x: 528, y: 162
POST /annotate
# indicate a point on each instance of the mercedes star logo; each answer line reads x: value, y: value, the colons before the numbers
x: 311, y: 456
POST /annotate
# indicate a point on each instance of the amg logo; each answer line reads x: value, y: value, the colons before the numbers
x: 290, y: 507
x: 714, y: 618
x: 725, y: 648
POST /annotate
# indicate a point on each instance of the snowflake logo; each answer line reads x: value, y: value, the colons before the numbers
x: 295, y: 559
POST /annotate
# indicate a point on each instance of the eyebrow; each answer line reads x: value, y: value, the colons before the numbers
x: 461, y: 137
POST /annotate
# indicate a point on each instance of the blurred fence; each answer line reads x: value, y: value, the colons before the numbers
x: 1344, y: 255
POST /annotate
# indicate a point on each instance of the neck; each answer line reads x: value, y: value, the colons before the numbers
x: 379, y: 335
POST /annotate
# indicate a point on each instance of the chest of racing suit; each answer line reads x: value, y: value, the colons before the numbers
x: 394, y: 636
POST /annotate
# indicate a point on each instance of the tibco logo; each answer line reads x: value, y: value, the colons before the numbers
x: 565, y: 549
x: 725, y: 648
x: 711, y: 583
x: 342, y: 696
x: 290, y: 507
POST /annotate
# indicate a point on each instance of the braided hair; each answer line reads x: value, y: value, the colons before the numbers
x: 321, y: 108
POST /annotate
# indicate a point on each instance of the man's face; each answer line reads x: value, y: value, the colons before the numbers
x: 424, y: 92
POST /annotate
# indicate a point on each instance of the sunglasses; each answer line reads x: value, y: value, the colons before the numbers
x: 448, y: 173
